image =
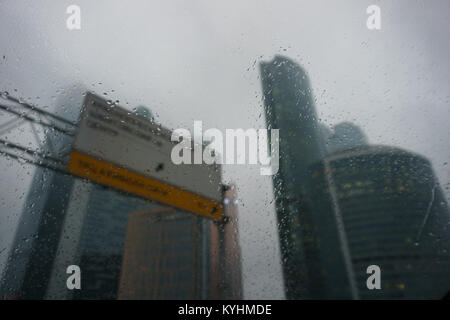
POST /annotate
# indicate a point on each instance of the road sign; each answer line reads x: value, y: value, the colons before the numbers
x: 120, y: 149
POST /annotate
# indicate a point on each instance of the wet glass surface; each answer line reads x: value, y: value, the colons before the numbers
x: 224, y: 150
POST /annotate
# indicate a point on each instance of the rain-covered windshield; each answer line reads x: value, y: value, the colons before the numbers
x: 224, y: 149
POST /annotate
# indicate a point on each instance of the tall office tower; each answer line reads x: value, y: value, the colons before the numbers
x: 289, y: 107
x: 166, y: 256
x: 100, y: 242
x: 379, y: 205
x: 226, y: 273
x: 27, y: 270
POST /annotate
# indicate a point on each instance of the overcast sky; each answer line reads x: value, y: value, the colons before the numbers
x: 198, y: 60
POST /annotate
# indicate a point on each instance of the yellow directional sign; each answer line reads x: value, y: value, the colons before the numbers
x: 112, y: 175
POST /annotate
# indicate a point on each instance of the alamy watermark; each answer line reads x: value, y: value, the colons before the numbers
x: 374, y: 19
x: 74, y: 280
x: 73, y: 21
x: 233, y: 144
x: 374, y: 280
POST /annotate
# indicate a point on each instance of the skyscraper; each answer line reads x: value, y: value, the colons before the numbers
x: 166, y: 256
x: 102, y: 240
x: 29, y: 264
x: 289, y: 107
x: 379, y: 205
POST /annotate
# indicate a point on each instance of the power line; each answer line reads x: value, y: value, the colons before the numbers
x: 12, y: 145
x: 34, y: 162
x: 33, y: 115
x: 40, y: 111
x: 38, y: 121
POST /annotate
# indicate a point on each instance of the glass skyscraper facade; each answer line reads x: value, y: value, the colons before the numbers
x: 394, y: 215
x: 30, y: 259
x: 289, y: 107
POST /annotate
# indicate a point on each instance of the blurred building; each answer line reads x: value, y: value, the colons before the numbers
x: 29, y: 265
x: 166, y: 256
x: 393, y: 214
x: 289, y: 107
x: 27, y: 271
x: 101, y: 240
x: 226, y: 274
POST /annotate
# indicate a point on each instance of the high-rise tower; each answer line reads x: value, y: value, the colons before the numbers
x: 289, y: 107
x: 383, y: 206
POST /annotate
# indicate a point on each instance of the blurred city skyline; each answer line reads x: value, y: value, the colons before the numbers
x: 200, y: 61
